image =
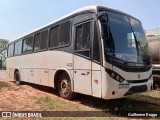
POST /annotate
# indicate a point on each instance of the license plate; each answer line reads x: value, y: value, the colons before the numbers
x: 123, y: 85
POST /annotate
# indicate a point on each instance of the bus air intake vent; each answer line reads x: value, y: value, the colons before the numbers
x: 136, y: 89
x: 137, y: 81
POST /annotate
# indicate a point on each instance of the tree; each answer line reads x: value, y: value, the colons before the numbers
x: 3, y: 50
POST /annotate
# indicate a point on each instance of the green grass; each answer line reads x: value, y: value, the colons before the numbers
x: 46, y: 102
x: 4, y: 63
x: 3, y: 84
x: 93, y: 104
x: 50, y: 104
x: 125, y: 104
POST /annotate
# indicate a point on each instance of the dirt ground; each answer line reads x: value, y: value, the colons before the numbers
x: 26, y: 96
x: 31, y: 97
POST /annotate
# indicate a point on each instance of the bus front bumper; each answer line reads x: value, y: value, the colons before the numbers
x: 133, y: 88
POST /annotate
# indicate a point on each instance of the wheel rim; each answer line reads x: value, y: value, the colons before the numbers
x: 65, y: 87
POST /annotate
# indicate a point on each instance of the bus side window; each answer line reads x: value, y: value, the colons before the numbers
x: 41, y: 40
x: 27, y: 44
x: 37, y: 40
x: 18, y: 48
x: 44, y: 39
x: 54, y: 36
x: 82, y: 40
x: 64, y: 34
x: 10, y: 50
x: 78, y: 38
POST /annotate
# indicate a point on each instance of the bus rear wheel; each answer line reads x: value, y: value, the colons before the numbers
x: 17, y: 78
x: 64, y: 87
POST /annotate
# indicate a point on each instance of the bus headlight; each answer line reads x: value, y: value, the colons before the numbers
x: 121, y: 80
x: 112, y: 75
x: 117, y: 78
x: 115, y: 75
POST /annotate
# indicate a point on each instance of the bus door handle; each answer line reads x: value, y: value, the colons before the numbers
x: 45, y: 71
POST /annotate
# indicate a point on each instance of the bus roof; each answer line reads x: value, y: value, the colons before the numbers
x: 92, y: 7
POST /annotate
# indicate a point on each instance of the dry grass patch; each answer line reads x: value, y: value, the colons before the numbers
x: 3, y: 84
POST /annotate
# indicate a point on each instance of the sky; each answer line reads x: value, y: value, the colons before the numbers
x: 18, y: 17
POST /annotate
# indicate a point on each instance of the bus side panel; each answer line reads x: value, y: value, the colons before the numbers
x: 96, y: 80
x: 58, y: 60
x: 37, y: 76
x: 82, y: 75
x: 11, y: 73
x: 72, y: 78
x: 44, y: 77
x: 8, y: 73
x: 51, y: 78
x: 21, y: 74
x: 10, y: 70
x: 29, y: 75
x: 105, y: 84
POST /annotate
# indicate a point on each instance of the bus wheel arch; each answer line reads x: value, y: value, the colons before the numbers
x: 57, y: 77
x: 63, y: 76
x: 17, y: 76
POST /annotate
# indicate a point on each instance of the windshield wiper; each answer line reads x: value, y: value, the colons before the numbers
x: 146, y: 59
x: 145, y: 56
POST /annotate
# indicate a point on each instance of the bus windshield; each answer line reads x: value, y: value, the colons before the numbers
x: 126, y: 40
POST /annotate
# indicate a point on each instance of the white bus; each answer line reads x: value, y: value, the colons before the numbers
x: 95, y: 51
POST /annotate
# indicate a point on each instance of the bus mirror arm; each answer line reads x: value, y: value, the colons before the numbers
x: 103, y: 17
x: 105, y: 31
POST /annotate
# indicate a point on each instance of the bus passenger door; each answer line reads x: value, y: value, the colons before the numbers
x: 82, y: 55
x: 96, y: 63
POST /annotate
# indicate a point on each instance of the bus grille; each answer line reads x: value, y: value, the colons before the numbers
x: 136, y: 89
x: 137, y: 81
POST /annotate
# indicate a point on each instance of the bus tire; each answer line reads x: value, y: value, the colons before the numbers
x: 64, y: 87
x: 156, y: 83
x: 17, y: 78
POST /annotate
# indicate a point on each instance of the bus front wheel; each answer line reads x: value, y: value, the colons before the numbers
x: 156, y: 83
x: 64, y: 87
